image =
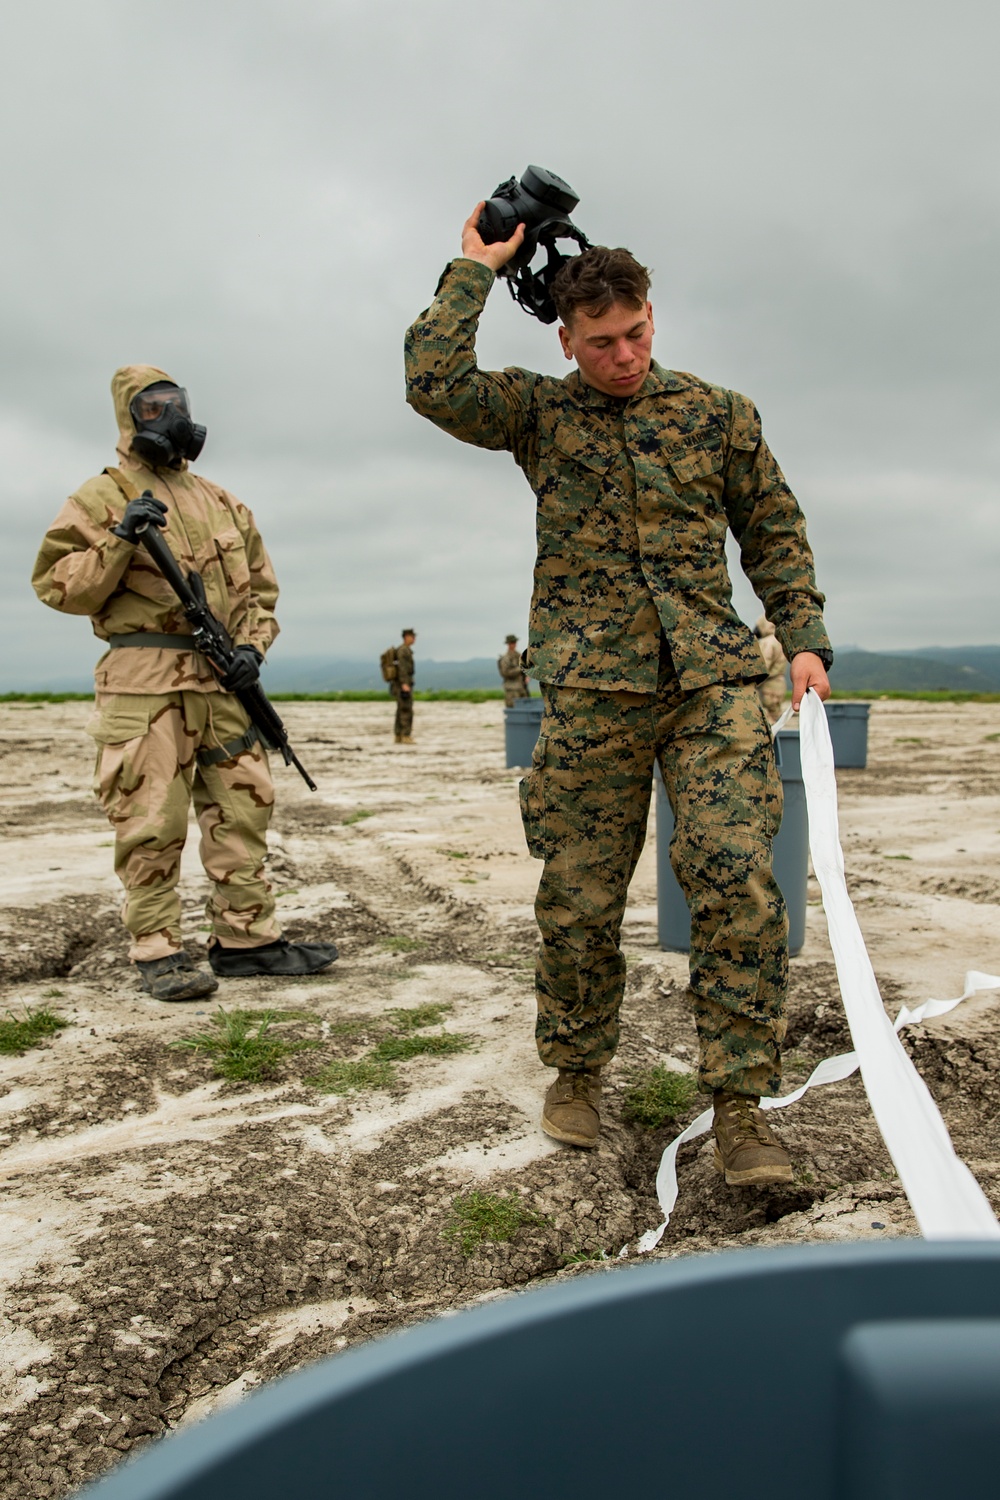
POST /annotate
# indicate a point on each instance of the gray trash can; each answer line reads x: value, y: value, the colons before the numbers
x: 849, y: 732
x: 885, y: 1387
x: 521, y: 723
x: 789, y: 859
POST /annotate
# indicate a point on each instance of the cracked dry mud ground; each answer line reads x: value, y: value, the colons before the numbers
x: 171, y: 1240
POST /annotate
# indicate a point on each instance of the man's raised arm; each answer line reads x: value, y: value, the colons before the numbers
x: 443, y: 381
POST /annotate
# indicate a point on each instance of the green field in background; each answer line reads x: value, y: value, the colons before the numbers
x: 486, y: 695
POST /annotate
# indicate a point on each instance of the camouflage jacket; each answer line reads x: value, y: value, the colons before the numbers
x: 404, y: 665
x: 510, y: 668
x: 84, y: 569
x: 634, y: 501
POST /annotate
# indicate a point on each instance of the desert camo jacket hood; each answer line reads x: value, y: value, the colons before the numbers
x: 634, y: 500
x: 83, y: 569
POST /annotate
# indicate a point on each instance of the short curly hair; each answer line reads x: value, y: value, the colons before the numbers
x: 597, y: 279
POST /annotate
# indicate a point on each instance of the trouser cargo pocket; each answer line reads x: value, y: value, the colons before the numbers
x: 531, y: 790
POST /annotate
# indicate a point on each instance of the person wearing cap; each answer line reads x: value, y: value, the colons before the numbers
x: 509, y: 665
x: 402, y: 689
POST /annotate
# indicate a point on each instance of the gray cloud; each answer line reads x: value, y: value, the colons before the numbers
x: 261, y: 197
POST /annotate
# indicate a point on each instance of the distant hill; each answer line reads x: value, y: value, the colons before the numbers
x: 945, y: 671
x: 317, y: 675
x: 985, y: 659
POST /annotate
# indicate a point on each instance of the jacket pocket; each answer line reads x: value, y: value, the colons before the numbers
x: 233, y: 557
x: 118, y: 723
x: 687, y: 467
x: 531, y: 791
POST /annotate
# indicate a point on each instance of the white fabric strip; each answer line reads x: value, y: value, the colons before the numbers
x: 946, y: 1199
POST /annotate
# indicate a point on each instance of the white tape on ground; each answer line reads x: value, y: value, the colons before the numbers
x: 945, y: 1197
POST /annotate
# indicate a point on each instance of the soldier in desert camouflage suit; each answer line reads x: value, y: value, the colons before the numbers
x: 772, y: 690
x: 509, y: 666
x: 639, y: 472
x: 166, y: 731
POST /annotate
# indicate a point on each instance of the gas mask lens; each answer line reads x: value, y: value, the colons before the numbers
x: 153, y: 402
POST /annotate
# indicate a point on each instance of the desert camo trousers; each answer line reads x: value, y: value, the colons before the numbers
x: 147, y: 775
x: 585, y: 806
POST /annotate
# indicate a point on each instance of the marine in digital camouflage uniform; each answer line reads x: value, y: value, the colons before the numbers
x: 511, y: 670
x: 638, y: 473
x: 402, y: 689
x: 166, y: 731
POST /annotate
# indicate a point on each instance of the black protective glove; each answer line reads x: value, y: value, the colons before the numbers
x: 245, y: 670
x: 140, y: 513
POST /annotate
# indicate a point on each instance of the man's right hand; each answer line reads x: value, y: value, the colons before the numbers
x: 495, y: 255
x: 144, y: 511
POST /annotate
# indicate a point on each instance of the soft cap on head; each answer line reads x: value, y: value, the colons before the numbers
x: 511, y: 640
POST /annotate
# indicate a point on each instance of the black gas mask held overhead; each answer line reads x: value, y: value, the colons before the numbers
x: 542, y: 202
x: 164, y: 433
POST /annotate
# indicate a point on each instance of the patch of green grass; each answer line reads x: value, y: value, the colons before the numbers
x: 897, y: 856
x: 358, y: 815
x: 657, y: 1095
x: 21, y: 1032
x: 456, y: 853
x: 38, y: 698
x: 412, y: 1017
x: 909, y: 740
x: 401, y: 944
x: 341, y: 1077
x: 990, y: 738
x: 579, y: 1257
x: 494, y: 1217
x: 439, y: 1044
x: 52, y: 994
x: 240, y: 1043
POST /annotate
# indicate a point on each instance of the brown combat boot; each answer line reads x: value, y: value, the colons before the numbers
x: 572, y: 1108
x: 747, y: 1151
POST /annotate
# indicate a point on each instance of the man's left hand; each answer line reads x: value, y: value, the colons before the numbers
x: 245, y: 670
x: 808, y: 672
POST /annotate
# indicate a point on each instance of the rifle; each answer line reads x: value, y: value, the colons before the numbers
x: 212, y: 639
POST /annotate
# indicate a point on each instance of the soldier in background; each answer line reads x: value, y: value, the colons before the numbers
x: 402, y: 689
x: 772, y: 690
x: 168, y: 730
x: 515, y: 683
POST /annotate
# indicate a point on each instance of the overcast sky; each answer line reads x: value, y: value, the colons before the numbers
x: 259, y: 197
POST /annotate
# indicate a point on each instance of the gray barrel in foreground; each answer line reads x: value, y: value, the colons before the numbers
x: 789, y: 856
x: 521, y: 723
x: 849, y: 733
x: 884, y: 1384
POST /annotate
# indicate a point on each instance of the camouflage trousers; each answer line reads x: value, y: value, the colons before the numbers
x: 147, y: 775
x: 404, y: 712
x: 585, y: 806
x: 513, y: 692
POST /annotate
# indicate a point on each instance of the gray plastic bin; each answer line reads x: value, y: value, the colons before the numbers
x: 862, y: 1407
x: 790, y: 855
x: 849, y: 732
x: 521, y: 723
